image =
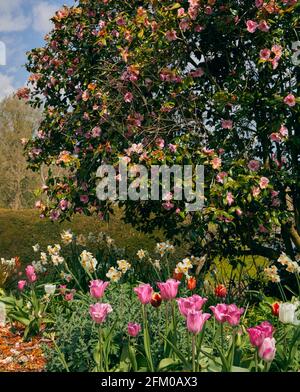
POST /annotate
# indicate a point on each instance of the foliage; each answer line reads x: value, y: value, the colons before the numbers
x: 164, y: 82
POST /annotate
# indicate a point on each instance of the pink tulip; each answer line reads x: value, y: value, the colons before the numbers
x: 259, y: 333
x: 234, y: 314
x: 133, y: 329
x: 195, y: 321
x: 99, y: 312
x: 229, y: 313
x: 195, y: 302
x: 267, y: 350
x: 22, y: 284
x: 169, y: 289
x: 30, y: 273
x: 220, y: 312
x: 144, y: 293
x: 97, y: 288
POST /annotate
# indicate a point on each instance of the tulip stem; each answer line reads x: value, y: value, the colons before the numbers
x: 194, y: 352
x: 100, y: 364
x: 256, y: 360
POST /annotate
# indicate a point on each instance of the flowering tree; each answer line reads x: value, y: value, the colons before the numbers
x: 163, y: 82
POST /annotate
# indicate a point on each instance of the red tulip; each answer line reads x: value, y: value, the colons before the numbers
x: 275, y: 309
x: 220, y: 291
x: 156, y: 300
x: 191, y: 283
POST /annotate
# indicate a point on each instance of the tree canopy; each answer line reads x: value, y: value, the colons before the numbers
x: 163, y: 82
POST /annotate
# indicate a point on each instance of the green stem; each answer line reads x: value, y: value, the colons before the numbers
x: 194, y: 352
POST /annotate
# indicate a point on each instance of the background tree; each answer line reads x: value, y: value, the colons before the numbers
x: 17, y: 183
x: 162, y: 82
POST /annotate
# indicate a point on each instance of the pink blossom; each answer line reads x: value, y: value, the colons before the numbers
x: 265, y: 54
x: 99, y: 312
x: 195, y: 321
x: 283, y: 131
x: 128, y: 97
x: 64, y: 204
x: 22, y: 284
x: 227, y: 124
x: 168, y: 289
x: 220, y: 177
x: 254, y: 165
x: 133, y: 329
x: 259, y: 3
x: 263, y: 26
x: 171, y: 35
x: 197, y: 73
x: 84, y: 199
x: 144, y: 293
x: 275, y: 137
x: 97, y: 288
x: 267, y: 350
x: 290, y: 100
x: 216, y: 163
x: 264, y: 182
x: 251, y: 26
x: 229, y: 198
x: 180, y: 12
x: 160, y: 143
x: 96, y: 132
x: 172, y: 147
x: 195, y: 302
x: 260, y: 332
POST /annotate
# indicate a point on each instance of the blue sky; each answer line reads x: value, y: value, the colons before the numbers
x: 23, y: 24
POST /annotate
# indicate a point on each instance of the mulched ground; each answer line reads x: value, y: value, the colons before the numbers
x: 17, y: 355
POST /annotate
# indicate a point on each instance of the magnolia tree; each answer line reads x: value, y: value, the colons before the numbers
x: 195, y: 82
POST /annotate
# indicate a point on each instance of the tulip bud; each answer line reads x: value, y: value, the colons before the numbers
x: 156, y: 300
x: 220, y: 291
x: 177, y: 276
x: 191, y: 283
x: 275, y: 309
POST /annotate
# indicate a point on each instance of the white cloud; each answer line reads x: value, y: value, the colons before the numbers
x: 6, y: 86
x: 42, y: 12
x: 12, y: 16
